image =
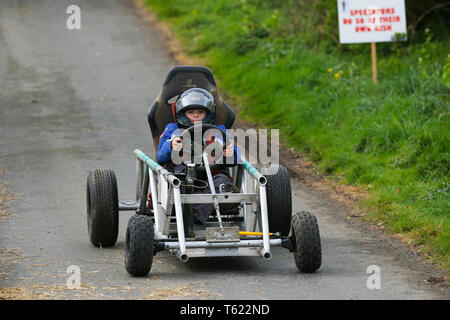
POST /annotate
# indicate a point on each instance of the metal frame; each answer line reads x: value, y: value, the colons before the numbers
x: 253, y: 213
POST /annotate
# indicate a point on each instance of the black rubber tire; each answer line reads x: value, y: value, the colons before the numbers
x: 305, y: 230
x: 139, y: 245
x: 102, y: 207
x: 279, y: 199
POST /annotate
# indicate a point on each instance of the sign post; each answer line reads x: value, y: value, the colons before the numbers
x: 371, y: 21
x: 374, y: 62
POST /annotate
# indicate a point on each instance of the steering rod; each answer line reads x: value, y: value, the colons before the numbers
x: 213, y: 189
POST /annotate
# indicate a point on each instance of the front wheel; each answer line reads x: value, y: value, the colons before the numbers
x: 139, y: 245
x: 306, y: 236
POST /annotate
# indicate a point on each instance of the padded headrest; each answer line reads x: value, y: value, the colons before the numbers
x: 178, y: 80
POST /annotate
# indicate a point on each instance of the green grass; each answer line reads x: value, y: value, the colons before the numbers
x: 391, y: 139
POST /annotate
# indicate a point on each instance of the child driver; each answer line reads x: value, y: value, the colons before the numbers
x: 194, y: 106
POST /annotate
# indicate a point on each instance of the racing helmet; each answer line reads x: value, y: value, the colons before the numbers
x: 195, y: 98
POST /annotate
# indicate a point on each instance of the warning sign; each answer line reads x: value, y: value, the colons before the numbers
x: 363, y: 21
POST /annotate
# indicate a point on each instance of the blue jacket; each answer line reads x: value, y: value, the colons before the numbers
x: 165, y: 143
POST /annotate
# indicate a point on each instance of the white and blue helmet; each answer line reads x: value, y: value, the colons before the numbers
x: 195, y: 98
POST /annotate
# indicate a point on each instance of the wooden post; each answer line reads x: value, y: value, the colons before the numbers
x: 374, y: 63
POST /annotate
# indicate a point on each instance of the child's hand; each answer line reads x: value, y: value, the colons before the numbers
x: 177, y: 144
x: 229, y: 151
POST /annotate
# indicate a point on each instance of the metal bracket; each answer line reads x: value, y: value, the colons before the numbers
x: 289, y: 243
x: 222, y: 234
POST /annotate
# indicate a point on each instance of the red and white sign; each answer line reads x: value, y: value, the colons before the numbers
x: 362, y: 21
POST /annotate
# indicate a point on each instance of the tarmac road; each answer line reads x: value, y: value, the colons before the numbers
x: 72, y: 100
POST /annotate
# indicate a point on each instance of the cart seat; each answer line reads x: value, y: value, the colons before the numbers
x: 178, y: 80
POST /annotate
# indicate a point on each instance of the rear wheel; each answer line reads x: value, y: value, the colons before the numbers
x: 102, y: 207
x: 306, y: 236
x: 139, y: 245
x: 279, y: 199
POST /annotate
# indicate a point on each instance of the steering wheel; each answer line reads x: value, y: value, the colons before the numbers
x: 197, y: 146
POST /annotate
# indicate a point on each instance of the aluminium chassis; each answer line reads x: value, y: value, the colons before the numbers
x: 253, y: 213
x: 161, y: 225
